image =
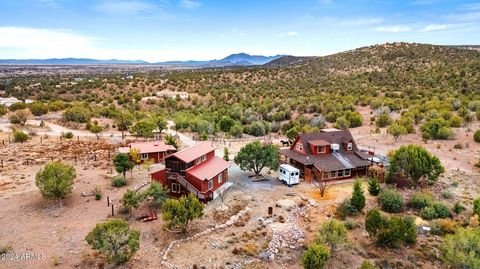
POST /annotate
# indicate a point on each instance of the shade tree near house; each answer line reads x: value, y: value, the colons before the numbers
x: 255, y: 157
x: 55, y: 180
x: 178, y: 213
x: 415, y: 165
x: 122, y: 163
x: 115, y: 240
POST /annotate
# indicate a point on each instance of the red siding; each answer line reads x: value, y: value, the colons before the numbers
x: 316, y: 152
x: 295, y: 146
x: 160, y: 176
x: 202, y: 185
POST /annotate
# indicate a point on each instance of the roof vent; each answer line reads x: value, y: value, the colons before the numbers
x: 155, y: 144
x: 335, y: 147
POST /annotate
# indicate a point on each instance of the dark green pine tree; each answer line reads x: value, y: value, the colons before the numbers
x: 358, y: 198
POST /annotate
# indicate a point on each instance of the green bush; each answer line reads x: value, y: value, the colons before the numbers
x: 3, y: 110
x: 458, y: 208
x: 315, y: 257
x: 476, y: 207
x: 436, y: 211
x: 67, y: 135
x: 447, y: 195
x: 391, y: 201
x: 420, y: 200
x: 332, y: 233
x: 383, y: 120
x: 119, y: 182
x: 398, y: 231
x: 442, y: 211
x: 77, y: 114
x: 368, y: 265
x: 38, y: 108
x: 374, y: 221
x: 437, y: 129
x: 476, y: 136
x: 19, y: 136
x: 460, y: 250
x: 428, y: 213
x: 346, y: 209
x: 373, y: 187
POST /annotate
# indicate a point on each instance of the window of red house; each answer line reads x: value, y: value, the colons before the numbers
x: 299, y: 146
x: 175, y: 188
x: 321, y: 149
x: 220, y: 177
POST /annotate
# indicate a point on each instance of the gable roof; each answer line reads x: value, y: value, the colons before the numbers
x: 208, y: 169
x: 189, y: 154
x: 329, y: 162
x: 148, y: 147
x: 327, y: 138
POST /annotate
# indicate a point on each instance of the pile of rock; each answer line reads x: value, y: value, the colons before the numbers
x: 286, y: 236
x: 229, y: 222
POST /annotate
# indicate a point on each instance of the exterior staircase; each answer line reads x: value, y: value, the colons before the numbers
x: 182, y: 181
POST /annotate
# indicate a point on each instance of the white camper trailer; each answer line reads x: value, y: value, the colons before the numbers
x: 288, y: 174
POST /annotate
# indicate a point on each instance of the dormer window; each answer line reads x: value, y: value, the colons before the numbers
x: 321, y: 149
x: 349, y: 146
x: 299, y: 146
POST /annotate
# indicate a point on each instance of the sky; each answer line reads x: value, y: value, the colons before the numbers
x: 164, y: 30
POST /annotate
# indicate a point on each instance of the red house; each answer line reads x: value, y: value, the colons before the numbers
x: 330, y: 154
x: 151, y: 150
x: 194, y: 170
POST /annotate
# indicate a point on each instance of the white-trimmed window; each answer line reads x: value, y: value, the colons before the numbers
x: 210, y: 184
x: 340, y: 173
x: 144, y: 156
x: 201, y: 159
x: 220, y: 177
x: 349, y: 146
x: 333, y: 174
x: 299, y: 146
x: 348, y: 172
x: 175, y: 188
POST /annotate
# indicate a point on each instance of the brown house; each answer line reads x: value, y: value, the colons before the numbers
x: 151, y: 150
x: 194, y: 170
x: 330, y: 154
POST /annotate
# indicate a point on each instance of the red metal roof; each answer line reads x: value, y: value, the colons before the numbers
x: 148, y: 147
x: 189, y: 154
x: 208, y: 169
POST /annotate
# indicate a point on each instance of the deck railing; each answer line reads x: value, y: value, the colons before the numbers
x: 187, y: 185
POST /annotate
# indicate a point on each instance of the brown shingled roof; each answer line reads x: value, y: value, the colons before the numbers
x: 338, y: 137
x: 342, y: 159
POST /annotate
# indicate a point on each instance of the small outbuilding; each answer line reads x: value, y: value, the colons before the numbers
x: 288, y: 174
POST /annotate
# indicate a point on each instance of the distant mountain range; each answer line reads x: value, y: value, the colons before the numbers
x: 239, y: 59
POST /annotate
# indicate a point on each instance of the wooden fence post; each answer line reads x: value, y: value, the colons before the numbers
x: 108, y: 200
x: 113, y: 213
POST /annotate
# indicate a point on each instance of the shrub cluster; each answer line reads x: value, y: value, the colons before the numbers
x: 391, y: 201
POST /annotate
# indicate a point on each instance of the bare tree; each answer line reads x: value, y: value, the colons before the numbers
x: 322, y: 183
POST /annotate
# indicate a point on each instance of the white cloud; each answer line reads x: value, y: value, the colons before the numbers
x: 394, y: 29
x: 287, y: 34
x: 433, y: 27
x: 43, y: 39
x: 38, y: 43
x: 360, y: 21
x: 124, y: 7
x: 190, y: 4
